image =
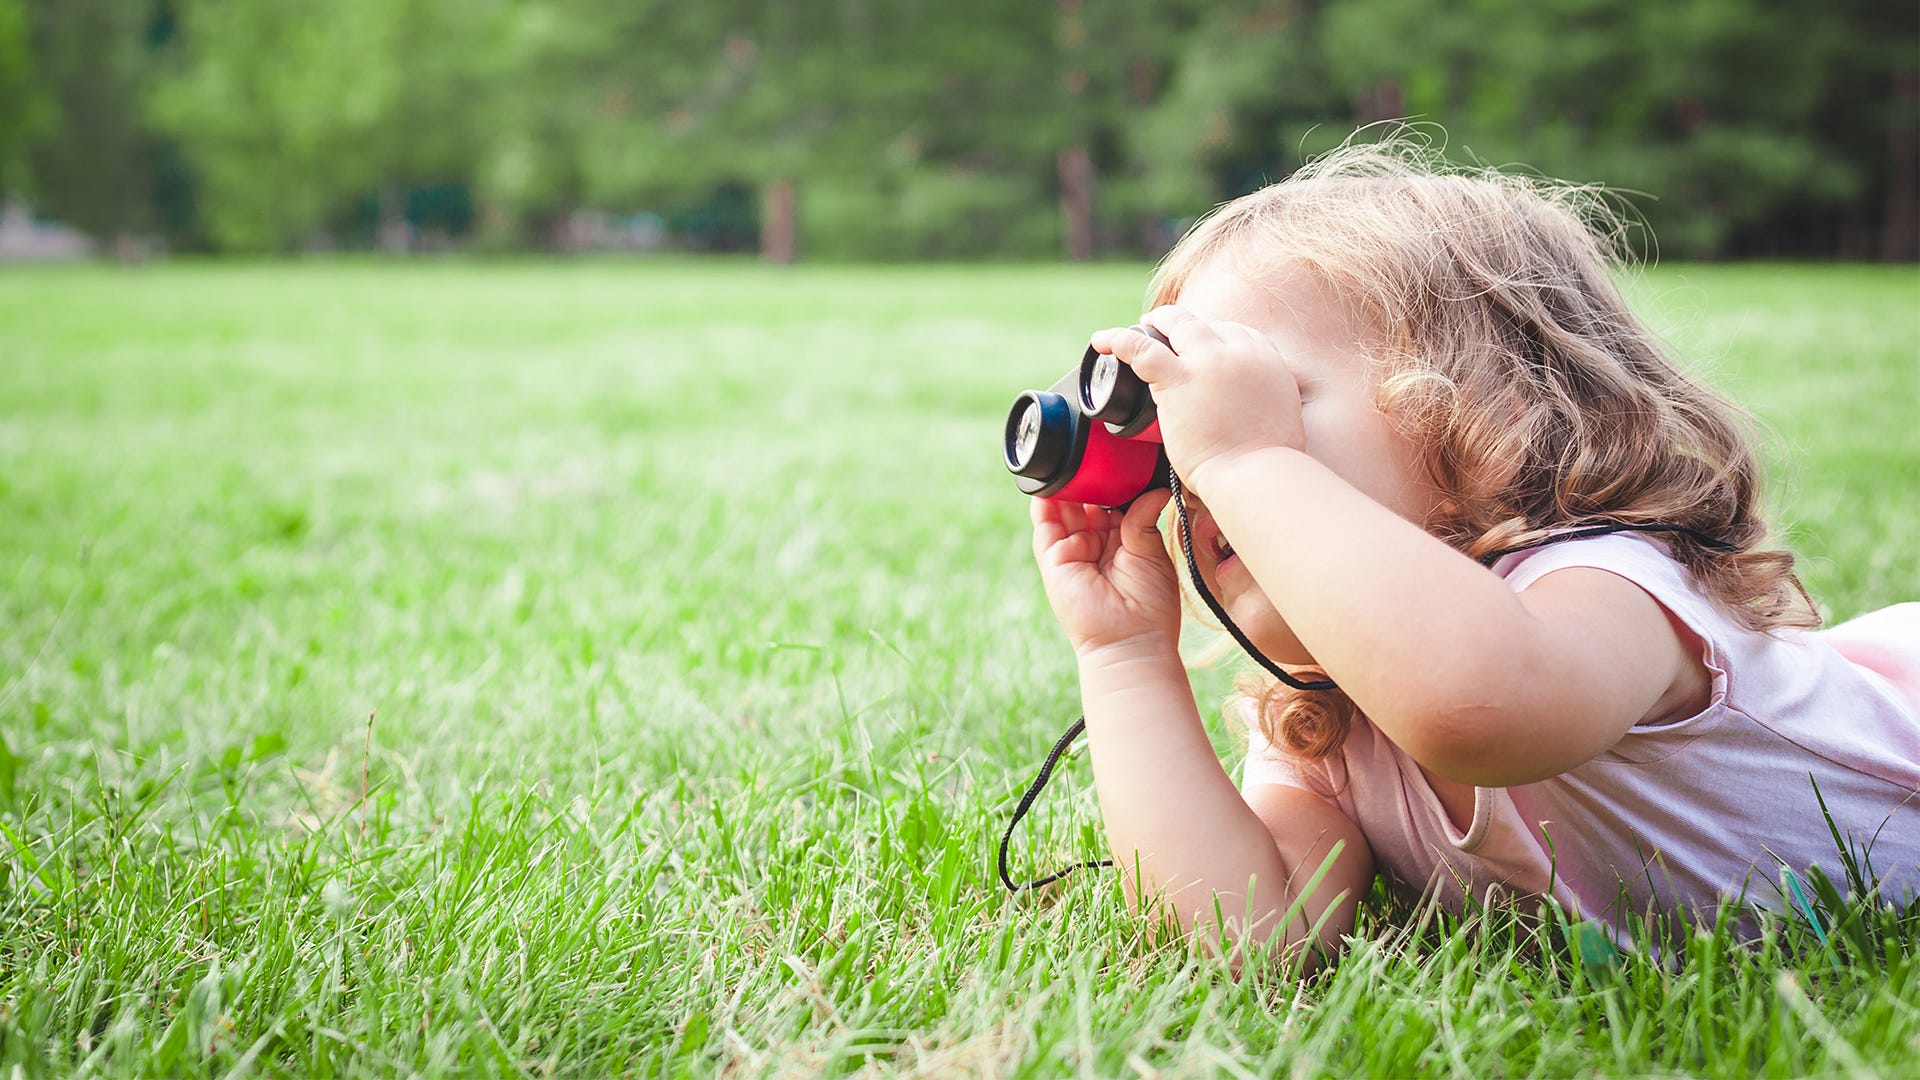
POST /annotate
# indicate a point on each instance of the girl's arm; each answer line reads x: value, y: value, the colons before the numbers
x: 1476, y: 682
x: 1177, y: 826
x: 1180, y: 830
x: 1479, y: 684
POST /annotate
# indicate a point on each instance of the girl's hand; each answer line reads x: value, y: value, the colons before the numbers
x: 1222, y: 390
x: 1107, y: 575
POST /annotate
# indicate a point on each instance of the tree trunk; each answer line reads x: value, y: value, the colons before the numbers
x: 392, y: 233
x: 1900, y: 236
x: 1074, y: 165
x: 1076, y: 201
x: 777, y: 226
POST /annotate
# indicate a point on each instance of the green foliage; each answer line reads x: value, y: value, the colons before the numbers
x: 924, y: 108
x: 1712, y: 108
x: 1747, y: 130
x: 21, y: 107
x: 927, y: 213
x: 1249, y: 89
x: 89, y: 150
x: 290, y: 111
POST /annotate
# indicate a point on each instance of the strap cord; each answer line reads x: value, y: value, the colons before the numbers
x: 1588, y: 532
x: 1026, y: 803
x: 1213, y: 604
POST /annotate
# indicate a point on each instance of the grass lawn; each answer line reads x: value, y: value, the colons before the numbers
x: 629, y: 667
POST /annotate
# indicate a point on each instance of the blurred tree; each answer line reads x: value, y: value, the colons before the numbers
x: 22, y: 108
x: 1247, y: 92
x: 635, y: 106
x: 88, y: 150
x: 291, y: 110
x: 1869, y: 113
x: 1724, y: 112
x: 912, y: 128
x: 1116, y: 56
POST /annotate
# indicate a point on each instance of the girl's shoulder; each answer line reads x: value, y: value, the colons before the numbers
x: 1637, y: 557
x: 1645, y: 560
x: 1791, y: 681
x: 1882, y: 645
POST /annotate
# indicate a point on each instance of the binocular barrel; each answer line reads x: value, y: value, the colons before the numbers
x: 1111, y: 393
x: 1093, y: 437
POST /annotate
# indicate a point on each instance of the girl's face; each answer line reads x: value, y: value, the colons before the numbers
x: 1325, y: 344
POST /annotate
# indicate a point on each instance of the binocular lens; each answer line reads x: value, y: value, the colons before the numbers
x: 1040, y: 437
x: 1027, y: 433
x: 1106, y: 371
x: 1112, y: 393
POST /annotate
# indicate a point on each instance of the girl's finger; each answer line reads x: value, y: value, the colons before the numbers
x: 1153, y: 360
x: 1226, y: 329
x: 1099, y: 523
x: 1046, y: 528
x: 1139, y: 531
x: 1186, y: 330
x: 1102, y: 340
x: 1044, y: 511
x: 1073, y: 517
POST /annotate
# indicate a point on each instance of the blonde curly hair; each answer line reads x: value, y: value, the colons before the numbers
x: 1508, y: 354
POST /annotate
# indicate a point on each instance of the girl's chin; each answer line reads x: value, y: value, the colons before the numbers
x: 1245, y: 603
x: 1279, y: 648
x: 1250, y: 613
x: 1263, y: 626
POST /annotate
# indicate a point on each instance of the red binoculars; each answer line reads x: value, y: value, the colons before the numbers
x: 1093, y: 437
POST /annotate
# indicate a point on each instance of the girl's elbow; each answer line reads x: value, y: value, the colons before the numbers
x: 1267, y: 944
x: 1470, y: 740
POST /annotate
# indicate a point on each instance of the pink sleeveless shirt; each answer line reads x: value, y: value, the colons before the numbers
x: 1686, y: 813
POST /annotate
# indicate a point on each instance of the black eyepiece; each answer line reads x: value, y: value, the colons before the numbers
x: 1040, y: 435
x: 1113, y: 394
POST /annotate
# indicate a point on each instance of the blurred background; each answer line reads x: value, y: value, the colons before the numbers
x: 915, y: 129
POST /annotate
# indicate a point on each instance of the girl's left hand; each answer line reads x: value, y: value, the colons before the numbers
x: 1222, y: 390
x: 1108, y: 575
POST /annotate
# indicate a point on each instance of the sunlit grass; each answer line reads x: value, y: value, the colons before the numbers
x: 628, y: 667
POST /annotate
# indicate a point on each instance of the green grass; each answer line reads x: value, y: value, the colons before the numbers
x: 629, y: 666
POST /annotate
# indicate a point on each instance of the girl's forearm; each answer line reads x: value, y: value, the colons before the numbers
x: 1331, y: 560
x: 1177, y: 825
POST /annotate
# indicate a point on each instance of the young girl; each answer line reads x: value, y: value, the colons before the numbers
x: 1381, y: 377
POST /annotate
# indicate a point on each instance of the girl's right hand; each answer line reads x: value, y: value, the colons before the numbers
x: 1107, y: 575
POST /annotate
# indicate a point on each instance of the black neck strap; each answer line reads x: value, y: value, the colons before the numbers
x: 1588, y: 532
x: 1213, y: 603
